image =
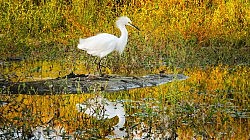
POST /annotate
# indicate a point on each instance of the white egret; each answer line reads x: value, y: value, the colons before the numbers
x: 102, y: 44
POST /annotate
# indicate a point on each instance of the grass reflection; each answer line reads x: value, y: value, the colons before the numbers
x: 212, y: 103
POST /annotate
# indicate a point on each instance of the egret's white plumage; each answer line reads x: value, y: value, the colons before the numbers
x: 102, y: 44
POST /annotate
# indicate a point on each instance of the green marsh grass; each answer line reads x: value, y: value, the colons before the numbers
x: 178, y: 33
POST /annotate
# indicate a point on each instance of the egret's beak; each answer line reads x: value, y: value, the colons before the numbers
x: 134, y: 26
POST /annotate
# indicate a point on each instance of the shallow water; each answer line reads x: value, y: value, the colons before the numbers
x: 212, y: 103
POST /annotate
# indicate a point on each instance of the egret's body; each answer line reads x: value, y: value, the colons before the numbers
x: 102, y: 44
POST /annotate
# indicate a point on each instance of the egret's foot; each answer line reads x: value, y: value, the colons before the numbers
x: 100, y: 70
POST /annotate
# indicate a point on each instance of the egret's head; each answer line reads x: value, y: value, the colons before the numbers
x: 122, y: 21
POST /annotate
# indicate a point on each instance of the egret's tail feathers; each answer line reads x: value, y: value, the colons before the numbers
x: 81, y: 44
x: 81, y: 41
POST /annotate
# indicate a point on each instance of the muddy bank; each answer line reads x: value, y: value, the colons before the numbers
x: 73, y: 83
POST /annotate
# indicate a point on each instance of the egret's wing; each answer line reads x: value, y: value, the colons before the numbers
x: 99, y: 45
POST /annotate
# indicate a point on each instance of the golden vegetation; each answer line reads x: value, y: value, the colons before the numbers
x: 203, y: 105
x: 212, y: 103
x: 204, y: 23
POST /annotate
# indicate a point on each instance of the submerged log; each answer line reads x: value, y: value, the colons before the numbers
x: 87, y: 83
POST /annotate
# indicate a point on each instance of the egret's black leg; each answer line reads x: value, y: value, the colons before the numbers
x: 95, y: 61
x: 99, y: 67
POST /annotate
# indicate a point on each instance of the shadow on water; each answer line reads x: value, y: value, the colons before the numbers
x: 212, y: 103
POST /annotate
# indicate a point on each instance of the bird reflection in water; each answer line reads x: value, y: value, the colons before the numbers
x: 102, y: 108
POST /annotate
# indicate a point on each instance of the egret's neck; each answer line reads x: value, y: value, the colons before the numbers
x: 123, y: 39
x: 122, y: 121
